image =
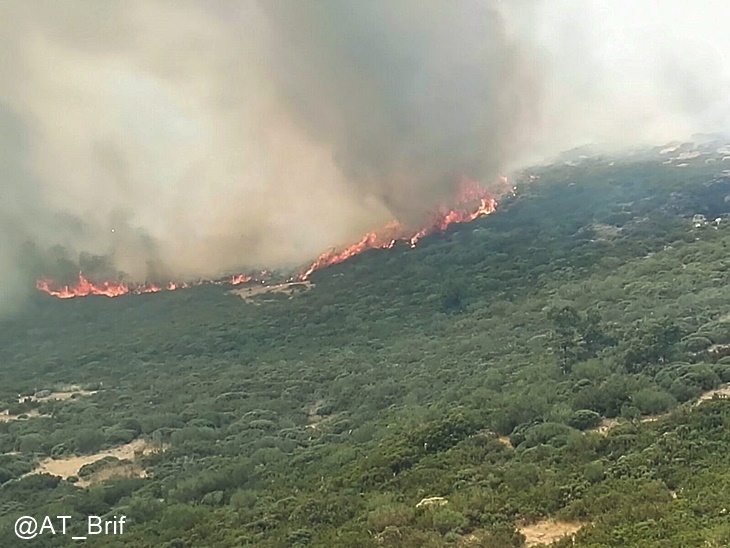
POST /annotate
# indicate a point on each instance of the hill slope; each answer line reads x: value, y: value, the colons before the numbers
x: 475, y: 367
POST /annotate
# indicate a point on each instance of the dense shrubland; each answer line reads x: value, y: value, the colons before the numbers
x: 476, y: 367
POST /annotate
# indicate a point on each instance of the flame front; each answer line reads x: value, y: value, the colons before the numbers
x: 240, y: 279
x: 384, y: 239
x: 85, y: 287
x: 470, y: 194
x: 472, y: 201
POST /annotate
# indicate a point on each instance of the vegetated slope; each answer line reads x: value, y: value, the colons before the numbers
x: 325, y: 419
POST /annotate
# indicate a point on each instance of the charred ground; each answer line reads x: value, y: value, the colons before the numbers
x: 326, y: 418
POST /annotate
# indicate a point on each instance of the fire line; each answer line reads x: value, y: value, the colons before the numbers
x: 472, y: 202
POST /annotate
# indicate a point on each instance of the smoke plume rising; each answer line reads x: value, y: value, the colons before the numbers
x: 188, y: 139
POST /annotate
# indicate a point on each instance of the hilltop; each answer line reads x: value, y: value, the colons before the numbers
x: 451, y: 394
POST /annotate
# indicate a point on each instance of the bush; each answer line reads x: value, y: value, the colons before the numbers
x: 650, y: 401
x: 442, y: 519
x: 5, y: 475
x: 89, y: 469
x: 594, y: 471
x: 702, y: 376
x: 683, y: 391
x: 583, y: 419
x: 696, y: 344
x: 722, y: 370
x: 119, y: 436
x: 89, y: 440
x: 396, y: 515
x: 552, y: 433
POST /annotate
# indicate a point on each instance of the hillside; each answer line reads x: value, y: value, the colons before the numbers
x: 477, y: 367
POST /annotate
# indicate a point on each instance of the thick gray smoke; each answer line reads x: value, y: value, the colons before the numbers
x: 186, y: 139
x: 409, y: 96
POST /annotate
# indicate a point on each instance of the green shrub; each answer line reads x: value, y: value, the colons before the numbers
x: 583, y: 419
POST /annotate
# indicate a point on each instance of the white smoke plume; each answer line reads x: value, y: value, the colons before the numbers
x: 626, y: 72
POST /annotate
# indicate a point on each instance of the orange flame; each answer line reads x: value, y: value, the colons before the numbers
x: 85, y: 287
x: 472, y: 201
x: 372, y: 240
x: 240, y: 279
x: 470, y: 193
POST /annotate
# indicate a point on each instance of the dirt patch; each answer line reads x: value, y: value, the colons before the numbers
x: 720, y: 392
x: 653, y: 418
x: 46, y: 395
x: 314, y: 419
x: 548, y: 531
x: 605, y: 426
x: 5, y: 416
x: 289, y: 288
x: 504, y: 440
x: 70, y: 466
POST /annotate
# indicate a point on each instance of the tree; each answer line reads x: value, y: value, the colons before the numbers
x: 576, y: 336
x: 653, y: 343
x: 566, y: 322
x: 452, y: 300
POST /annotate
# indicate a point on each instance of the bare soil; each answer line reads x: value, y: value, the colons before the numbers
x: 70, y: 466
x: 288, y: 288
x: 73, y: 391
x: 548, y: 531
x: 59, y: 396
x: 605, y: 426
x: 504, y: 440
x: 720, y: 392
x: 32, y: 414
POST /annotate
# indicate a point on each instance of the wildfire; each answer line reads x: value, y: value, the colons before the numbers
x: 472, y: 201
x: 109, y: 289
x: 84, y: 287
x: 240, y: 279
x: 384, y: 239
x: 470, y: 194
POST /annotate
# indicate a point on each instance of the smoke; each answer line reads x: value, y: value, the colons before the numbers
x: 626, y: 72
x: 187, y: 139
x: 410, y: 96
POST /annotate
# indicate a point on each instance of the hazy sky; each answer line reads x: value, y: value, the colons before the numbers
x: 623, y: 71
x: 186, y: 139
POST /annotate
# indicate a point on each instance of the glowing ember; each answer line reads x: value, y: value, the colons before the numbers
x: 470, y: 194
